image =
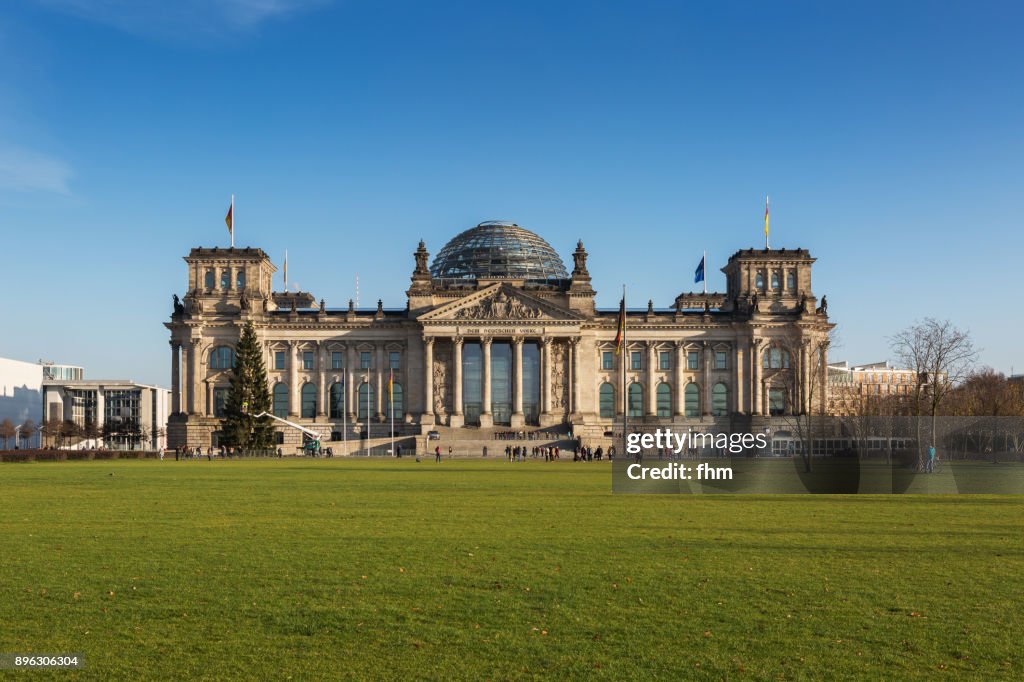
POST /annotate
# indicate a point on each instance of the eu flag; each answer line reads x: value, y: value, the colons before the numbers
x: 698, y: 276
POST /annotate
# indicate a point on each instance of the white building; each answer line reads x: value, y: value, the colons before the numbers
x: 117, y: 414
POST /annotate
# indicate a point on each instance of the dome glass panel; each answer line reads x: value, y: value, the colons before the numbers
x: 498, y: 249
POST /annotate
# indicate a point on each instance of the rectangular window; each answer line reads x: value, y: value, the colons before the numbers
x: 279, y: 359
x: 395, y: 359
x: 220, y: 399
x: 665, y: 360
x: 693, y: 360
x: 225, y: 278
x: 635, y: 361
x: 337, y: 359
x: 607, y: 360
x: 365, y: 358
x: 720, y: 359
x: 307, y: 359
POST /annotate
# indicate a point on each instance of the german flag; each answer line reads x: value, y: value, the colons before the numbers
x: 620, y: 335
x: 391, y: 383
x: 229, y: 219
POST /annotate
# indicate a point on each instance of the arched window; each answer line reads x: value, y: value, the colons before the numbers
x: 775, y: 358
x: 692, y: 400
x: 720, y: 400
x: 776, y: 401
x: 776, y: 284
x: 209, y: 280
x: 240, y: 279
x: 308, y: 401
x: 398, y: 397
x: 365, y: 407
x: 759, y: 281
x: 636, y: 400
x: 607, y: 397
x: 664, y: 400
x: 791, y: 281
x: 337, y: 399
x: 280, y: 400
x: 222, y: 357
x: 225, y: 278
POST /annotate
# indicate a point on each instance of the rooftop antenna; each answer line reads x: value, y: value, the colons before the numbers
x: 357, y: 289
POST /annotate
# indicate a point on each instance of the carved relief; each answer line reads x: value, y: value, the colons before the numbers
x: 442, y: 380
x: 559, y: 377
x: 500, y: 307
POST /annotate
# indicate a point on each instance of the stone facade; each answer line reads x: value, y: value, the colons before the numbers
x: 493, y: 351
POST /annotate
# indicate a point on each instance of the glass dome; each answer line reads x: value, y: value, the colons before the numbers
x: 498, y: 249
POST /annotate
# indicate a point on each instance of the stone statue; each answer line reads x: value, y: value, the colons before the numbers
x: 323, y: 308
x: 243, y: 302
x: 179, y: 307
x: 421, y: 256
x: 753, y: 303
x: 579, y: 259
x: 707, y: 307
x: 823, y: 308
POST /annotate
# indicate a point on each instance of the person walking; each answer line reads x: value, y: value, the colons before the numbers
x: 437, y: 454
x: 930, y: 466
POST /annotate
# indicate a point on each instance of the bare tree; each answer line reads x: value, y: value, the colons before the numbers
x: 51, y: 431
x: 27, y: 429
x: 7, y: 433
x: 806, y: 385
x: 941, y: 355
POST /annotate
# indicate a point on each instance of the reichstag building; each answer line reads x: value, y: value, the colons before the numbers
x: 498, y: 334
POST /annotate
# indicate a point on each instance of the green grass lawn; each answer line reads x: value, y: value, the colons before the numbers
x: 487, y: 570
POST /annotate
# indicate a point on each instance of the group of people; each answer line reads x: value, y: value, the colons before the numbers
x: 518, y: 453
x: 181, y: 453
x: 589, y: 454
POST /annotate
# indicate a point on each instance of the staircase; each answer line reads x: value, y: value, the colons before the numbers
x: 470, y: 441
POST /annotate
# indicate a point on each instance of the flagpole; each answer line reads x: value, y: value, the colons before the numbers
x: 705, y: 262
x: 623, y: 358
x: 766, y: 222
x: 391, y: 401
x: 344, y: 412
x: 232, y: 220
x: 368, y: 388
x: 286, y: 271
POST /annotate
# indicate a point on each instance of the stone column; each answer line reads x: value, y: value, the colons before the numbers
x: 427, y: 418
x: 350, y: 380
x: 175, y: 377
x: 486, y: 417
x: 574, y: 374
x: 737, y: 380
x: 708, y: 359
x: 545, y: 382
x: 679, y: 388
x: 517, y: 391
x: 321, y: 366
x: 381, y: 389
x: 755, y: 384
x: 193, y: 375
x: 805, y: 377
x: 457, y: 417
x: 293, y: 379
x: 101, y: 412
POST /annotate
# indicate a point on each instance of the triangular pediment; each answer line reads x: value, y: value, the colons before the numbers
x: 497, y: 303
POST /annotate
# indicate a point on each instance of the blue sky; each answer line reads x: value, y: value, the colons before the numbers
x: 889, y: 136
